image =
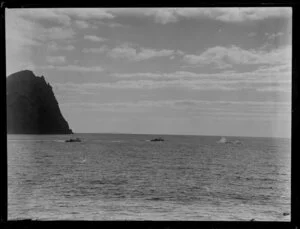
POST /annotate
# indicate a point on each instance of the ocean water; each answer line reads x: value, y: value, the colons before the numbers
x: 127, y: 177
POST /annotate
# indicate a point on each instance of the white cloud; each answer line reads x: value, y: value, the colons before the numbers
x: 30, y: 32
x: 68, y: 47
x: 263, y: 73
x: 264, y: 77
x: 163, y: 16
x: 278, y: 88
x: 251, y: 34
x: 19, y: 41
x: 86, y: 13
x: 81, y: 24
x: 38, y: 15
x: 23, y: 35
x: 64, y: 15
x: 250, y: 14
x: 191, y: 107
x: 224, y: 57
x: 73, y: 68
x: 102, y: 49
x: 54, y: 33
x: 152, y: 84
x: 19, y: 31
x: 274, y: 35
x: 173, y: 75
x: 111, y: 24
x: 275, y: 70
x: 53, y: 46
x: 234, y: 14
x: 94, y: 38
x: 126, y: 51
x: 56, y: 59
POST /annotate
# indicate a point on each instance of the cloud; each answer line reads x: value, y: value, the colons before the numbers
x: 153, y: 84
x: 111, y: 24
x: 173, y: 75
x: 74, y: 68
x: 19, y: 41
x: 55, y: 33
x: 274, y: 35
x: 249, y: 14
x: 188, y: 107
x: 276, y: 69
x: 126, y: 51
x: 138, y: 74
x: 56, y: 59
x: 86, y: 13
x: 30, y: 32
x: 19, y: 31
x: 264, y: 73
x: 64, y: 16
x: 102, y: 49
x: 81, y: 24
x: 39, y: 15
x: 164, y: 16
x: 94, y: 38
x: 23, y: 36
x: 53, y: 46
x: 251, y: 34
x: 274, y: 77
x: 177, y: 103
x: 277, y: 88
x: 231, y: 15
x: 224, y: 57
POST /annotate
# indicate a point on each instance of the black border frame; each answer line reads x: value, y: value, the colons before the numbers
x: 295, y: 199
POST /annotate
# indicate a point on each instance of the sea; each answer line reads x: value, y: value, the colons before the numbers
x: 129, y: 177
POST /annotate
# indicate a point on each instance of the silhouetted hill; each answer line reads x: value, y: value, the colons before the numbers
x: 32, y: 107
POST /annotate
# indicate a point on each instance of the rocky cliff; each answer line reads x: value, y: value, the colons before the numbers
x: 32, y: 107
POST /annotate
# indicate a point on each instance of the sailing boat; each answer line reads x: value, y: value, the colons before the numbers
x: 222, y: 140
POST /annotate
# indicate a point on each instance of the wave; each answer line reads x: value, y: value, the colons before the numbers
x: 35, y: 140
x: 107, y: 182
x: 156, y: 198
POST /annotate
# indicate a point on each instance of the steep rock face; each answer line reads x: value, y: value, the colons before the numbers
x: 32, y: 107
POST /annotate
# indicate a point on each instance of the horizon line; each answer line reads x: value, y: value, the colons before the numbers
x: 210, y: 135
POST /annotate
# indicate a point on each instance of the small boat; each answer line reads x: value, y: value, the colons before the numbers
x: 73, y: 140
x: 157, y: 140
x: 222, y: 140
x: 237, y: 142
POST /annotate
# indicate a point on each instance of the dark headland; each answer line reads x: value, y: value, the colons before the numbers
x: 32, y: 107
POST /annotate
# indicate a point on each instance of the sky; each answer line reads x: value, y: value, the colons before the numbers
x: 198, y: 71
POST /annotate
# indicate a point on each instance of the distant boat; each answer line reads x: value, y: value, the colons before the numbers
x: 157, y: 140
x: 73, y: 140
x: 222, y: 140
x: 237, y: 142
